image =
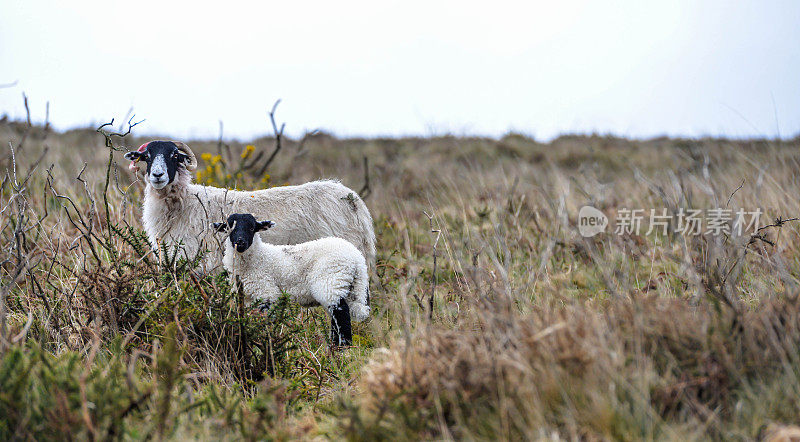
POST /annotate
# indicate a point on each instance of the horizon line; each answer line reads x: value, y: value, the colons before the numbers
x: 36, y: 123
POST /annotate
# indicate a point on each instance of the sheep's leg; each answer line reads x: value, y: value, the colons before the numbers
x: 330, y: 289
x: 270, y: 294
x: 341, y: 333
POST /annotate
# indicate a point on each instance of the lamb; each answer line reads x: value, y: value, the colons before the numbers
x: 329, y: 272
x: 177, y: 212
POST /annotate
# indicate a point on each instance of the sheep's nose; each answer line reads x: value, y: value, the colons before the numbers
x: 158, y: 174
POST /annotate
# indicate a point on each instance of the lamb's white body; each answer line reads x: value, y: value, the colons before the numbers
x: 181, y: 213
x: 320, y: 272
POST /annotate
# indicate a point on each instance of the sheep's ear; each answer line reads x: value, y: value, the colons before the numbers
x: 190, y: 162
x: 134, y: 155
x: 219, y: 227
x: 263, y: 225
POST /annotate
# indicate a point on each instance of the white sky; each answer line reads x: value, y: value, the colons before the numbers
x: 632, y: 68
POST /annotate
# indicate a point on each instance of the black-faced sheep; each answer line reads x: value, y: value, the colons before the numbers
x: 176, y: 211
x: 329, y: 272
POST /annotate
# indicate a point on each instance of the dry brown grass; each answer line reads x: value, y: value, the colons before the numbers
x: 629, y: 369
x: 536, y: 332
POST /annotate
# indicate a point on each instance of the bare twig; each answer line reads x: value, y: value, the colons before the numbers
x: 734, y: 193
x: 46, y: 119
x: 301, y: 146
x: 27, y: 109
x: 251, y: 164
x: 758, y: 236
x: 438, y: 233
x: 108, y: 135
x: 366, y: 190
x: 25, y: 134
x: 278, y: 137
x: 779, y: 222
x: 109, y: 142
x: 221, y: 144
x: 18, y: 249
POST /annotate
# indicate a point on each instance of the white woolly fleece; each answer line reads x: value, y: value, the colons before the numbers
x: 319, y: 272
x: 182, y: 212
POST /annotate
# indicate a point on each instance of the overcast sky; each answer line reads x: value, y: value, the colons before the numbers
x: 629, y: 68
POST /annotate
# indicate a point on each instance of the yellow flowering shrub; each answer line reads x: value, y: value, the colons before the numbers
x: 248, y: 150
x: 213, y: 170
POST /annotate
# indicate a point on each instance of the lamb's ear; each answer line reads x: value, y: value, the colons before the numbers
x: 219, y: 227
x: 134, y: 155
x: 263, y: 225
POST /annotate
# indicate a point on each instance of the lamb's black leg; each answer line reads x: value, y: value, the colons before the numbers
x: 341, y: 334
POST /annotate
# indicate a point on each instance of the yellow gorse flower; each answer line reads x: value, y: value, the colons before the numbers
x: 215, y: 170
x: 248, y: 150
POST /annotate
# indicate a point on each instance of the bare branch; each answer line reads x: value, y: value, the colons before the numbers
x: 779, y: 222
x: 28, y: 121
x: 108, y: 135
x: 734, y: 193
x: 365, y: 189
x: 27, y: 109
x: 278, y: 136
x: 221, y: 144
x: 46, y: 119
x: 438, y: 233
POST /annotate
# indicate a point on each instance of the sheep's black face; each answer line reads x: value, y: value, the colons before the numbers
x: 242, y: 227
x: 163, y: 160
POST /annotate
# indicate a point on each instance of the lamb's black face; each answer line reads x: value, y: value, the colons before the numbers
x: 163, y: 160
x: 242, y: 227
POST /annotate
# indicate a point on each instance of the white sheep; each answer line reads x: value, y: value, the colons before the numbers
x: 329, y: 272
x: 178, y: 212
